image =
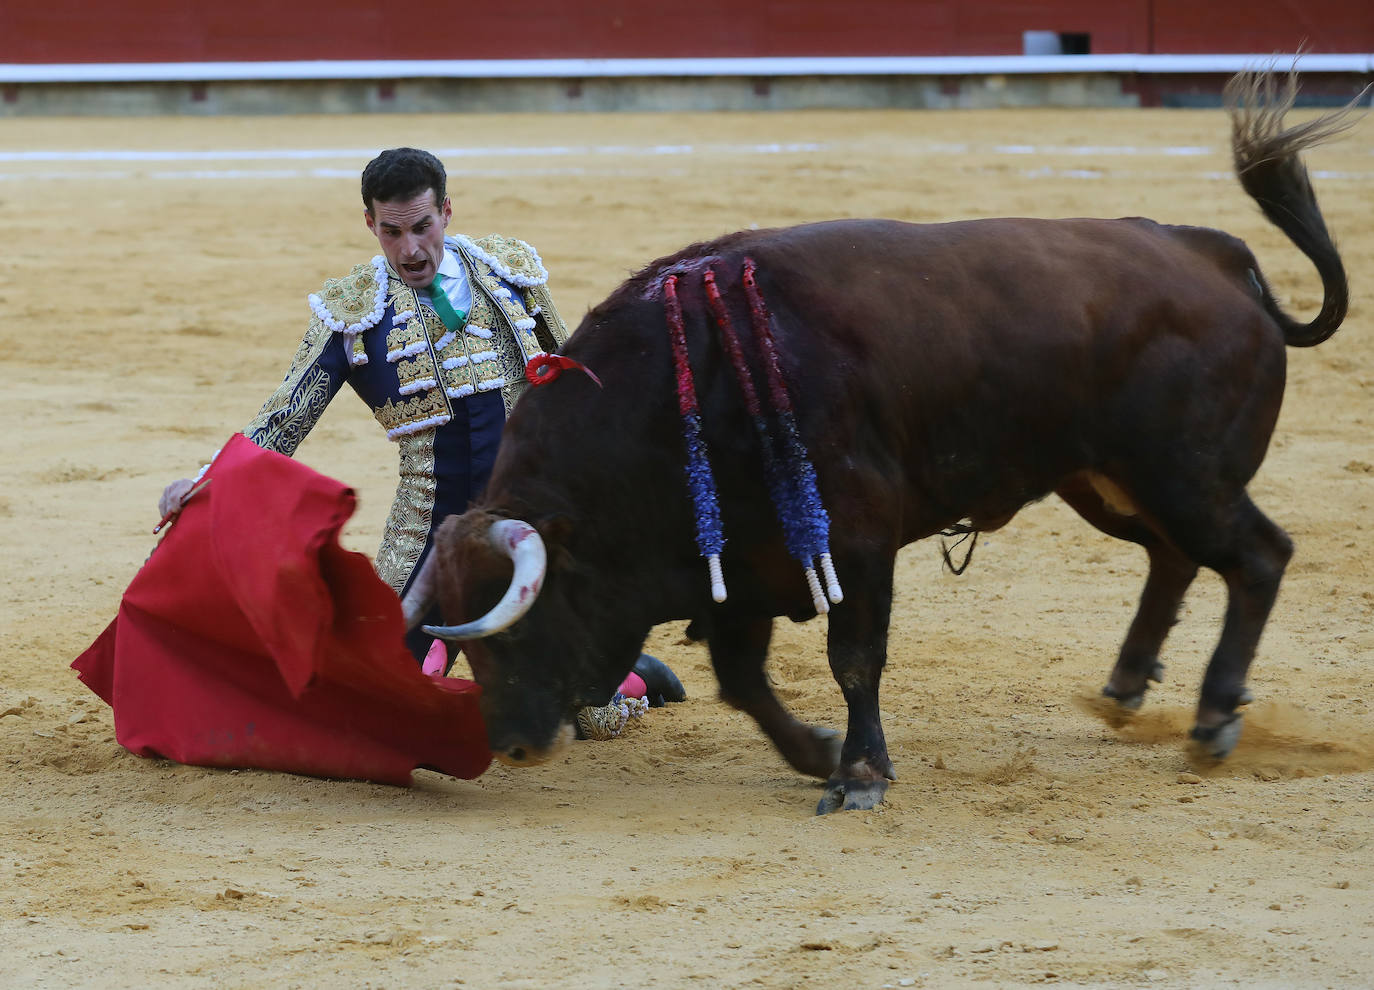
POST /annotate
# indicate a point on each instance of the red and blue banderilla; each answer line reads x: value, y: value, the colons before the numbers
x: 788, y: 471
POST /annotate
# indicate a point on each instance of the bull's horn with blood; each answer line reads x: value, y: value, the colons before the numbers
x: 520, y: 542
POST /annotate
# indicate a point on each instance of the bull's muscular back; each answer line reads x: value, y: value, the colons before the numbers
x: 963, y: 369
x: 939, y: 371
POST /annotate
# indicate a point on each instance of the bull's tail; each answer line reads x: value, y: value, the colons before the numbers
x: 1270, y: 169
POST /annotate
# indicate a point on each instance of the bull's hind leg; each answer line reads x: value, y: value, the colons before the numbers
x: 1235, y: 539
x: 857, y: 646
x: 739, y: 648
x: 1171, y: 574
x: 1251, y: 558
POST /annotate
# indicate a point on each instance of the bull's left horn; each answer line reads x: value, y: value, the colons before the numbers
x: 420, y: 596
x: 522, y: 544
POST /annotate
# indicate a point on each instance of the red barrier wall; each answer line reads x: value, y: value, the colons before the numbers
x: 1196, y: 27
x: 38, y: 31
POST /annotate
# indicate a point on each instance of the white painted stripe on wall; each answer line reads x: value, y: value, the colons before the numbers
x: 582, y: 68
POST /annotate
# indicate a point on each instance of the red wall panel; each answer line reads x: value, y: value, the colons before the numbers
x: 995, y: 28
x: 257, y: 30
x: 1194, y: 27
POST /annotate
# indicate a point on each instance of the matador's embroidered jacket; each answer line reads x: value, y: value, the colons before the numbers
x: 377, y: 334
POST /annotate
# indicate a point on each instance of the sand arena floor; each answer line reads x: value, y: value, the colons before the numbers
x: 155, y: 298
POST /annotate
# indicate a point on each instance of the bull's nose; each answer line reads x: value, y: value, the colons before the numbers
x: 524, y: 755
x: 521, y: 756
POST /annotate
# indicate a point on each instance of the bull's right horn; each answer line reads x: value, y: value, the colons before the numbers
x: 522, y: 544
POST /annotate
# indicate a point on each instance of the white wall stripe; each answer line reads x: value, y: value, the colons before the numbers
x: 610, y: 68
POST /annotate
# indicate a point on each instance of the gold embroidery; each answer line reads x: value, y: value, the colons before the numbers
x: 412, y: 512
x: 483, y: 315
x: 554, y: 326
x: 456, y: 347
x: 426, y: 407
x: 517, y: 256
x: 509, y: 361
x: 434, y: 327
x: 352, y: 298
x: 410, y: 370
x: 464, y: 378
x: 529, y: 342
x: 410, y: 334
x: 283, y: 429
x: 462, y: 345
x: 396, y: 293
x: 512, y: 365
x: 514, y: 309
x: 417, y: 334
x: 494, y: 309
x: 297, y: 404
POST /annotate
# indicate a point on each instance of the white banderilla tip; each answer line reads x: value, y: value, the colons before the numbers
x: 832, y: 583
x: 717, y: 578
x: 817, y: 598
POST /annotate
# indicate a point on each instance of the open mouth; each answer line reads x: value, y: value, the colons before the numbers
x: 415, y: 269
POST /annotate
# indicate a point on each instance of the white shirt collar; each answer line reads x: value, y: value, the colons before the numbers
x: 450, y: 267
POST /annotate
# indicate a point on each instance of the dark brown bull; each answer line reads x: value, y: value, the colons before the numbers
x: 940, y: 373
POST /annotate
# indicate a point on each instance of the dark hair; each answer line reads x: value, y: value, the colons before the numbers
x: 402, y: 173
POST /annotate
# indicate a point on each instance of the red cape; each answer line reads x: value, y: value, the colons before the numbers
x: 250, y: 638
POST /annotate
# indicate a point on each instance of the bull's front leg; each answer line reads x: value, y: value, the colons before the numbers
x: 858, y: 651
x: 739, y: 647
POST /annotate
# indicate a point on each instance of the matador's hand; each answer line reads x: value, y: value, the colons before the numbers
x: 172, y: 496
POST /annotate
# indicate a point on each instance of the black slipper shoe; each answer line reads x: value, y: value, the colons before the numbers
x: 661, y: 683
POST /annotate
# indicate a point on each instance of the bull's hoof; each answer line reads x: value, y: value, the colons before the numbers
x: 1130, y: 702
x: 852, y: 795
x: 1217, y: 741
x: 1132, y: 699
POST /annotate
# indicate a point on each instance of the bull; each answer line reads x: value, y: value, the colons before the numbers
x: 940, y: 375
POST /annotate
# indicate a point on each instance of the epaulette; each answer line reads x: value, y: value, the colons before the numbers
x: 355, y: 302
x: 509, y: 257
x: 352, y: 304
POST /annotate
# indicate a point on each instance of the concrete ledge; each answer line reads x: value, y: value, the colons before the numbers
x: 552, y: 95
x: 225, y: 88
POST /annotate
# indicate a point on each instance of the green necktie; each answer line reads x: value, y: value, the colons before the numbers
x: 453, y: 318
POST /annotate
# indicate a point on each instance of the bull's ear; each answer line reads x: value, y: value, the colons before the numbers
x: 556, y: 531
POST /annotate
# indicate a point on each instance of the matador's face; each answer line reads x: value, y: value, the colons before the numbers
x: 411, y: 232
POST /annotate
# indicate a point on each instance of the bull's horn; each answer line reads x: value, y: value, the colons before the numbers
x: 523, y: 545
x: 420, y: 595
